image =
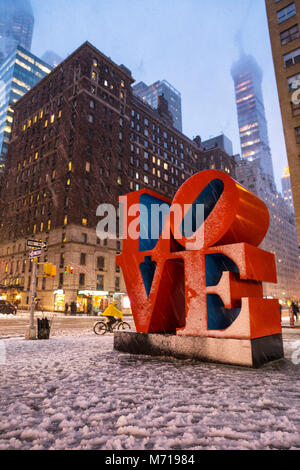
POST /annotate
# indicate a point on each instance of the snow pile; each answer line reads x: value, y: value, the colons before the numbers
x: 75, y: 392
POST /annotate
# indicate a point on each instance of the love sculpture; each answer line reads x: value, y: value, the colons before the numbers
x: 200, y: 294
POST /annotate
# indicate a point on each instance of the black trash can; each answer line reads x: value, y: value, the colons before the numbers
x: 43, y: 325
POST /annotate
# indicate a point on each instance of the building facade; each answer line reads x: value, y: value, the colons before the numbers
x: 220, y: 141
x: 253, y: 130
x: 281, y: 238
x: 287, y: 189
x: 19, y: 72
x: 80, y: 138
x: 284, y: 24
x: 16, y: 26
x: 150, y: 94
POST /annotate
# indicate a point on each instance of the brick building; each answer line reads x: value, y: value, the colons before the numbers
x: 284, y: 21
x: 80, y: 138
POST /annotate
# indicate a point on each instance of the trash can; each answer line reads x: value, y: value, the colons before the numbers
x: 43, y: 325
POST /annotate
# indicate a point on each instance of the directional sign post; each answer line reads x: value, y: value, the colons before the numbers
x: 35, y: 253
x: 36, y: 244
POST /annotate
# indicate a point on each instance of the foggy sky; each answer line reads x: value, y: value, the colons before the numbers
x: 190, y: 43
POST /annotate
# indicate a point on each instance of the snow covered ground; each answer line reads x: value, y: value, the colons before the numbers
x: 76, y: 392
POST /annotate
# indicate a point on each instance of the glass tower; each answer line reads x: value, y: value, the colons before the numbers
x: 18, y: 73
x: 150, y: 95
x: 247, y: 77
x: 16, y: 26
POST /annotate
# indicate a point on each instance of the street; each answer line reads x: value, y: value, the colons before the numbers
x: 13, y: 326
x: 75, y: 392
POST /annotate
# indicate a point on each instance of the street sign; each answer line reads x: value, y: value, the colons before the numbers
x: 35, y: 253
x: 36, y: 244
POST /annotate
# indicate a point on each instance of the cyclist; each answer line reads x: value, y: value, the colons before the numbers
x: 113, y: 314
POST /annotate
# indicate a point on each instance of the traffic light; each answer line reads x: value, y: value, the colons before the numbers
x: 49, y: 270
x: 69, y: 269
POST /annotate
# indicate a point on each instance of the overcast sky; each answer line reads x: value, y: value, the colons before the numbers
x: 190, y: 43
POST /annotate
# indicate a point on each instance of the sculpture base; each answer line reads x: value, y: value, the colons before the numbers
x: 242, y: 352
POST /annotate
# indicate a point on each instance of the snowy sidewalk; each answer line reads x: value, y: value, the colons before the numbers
x: 75, y: 392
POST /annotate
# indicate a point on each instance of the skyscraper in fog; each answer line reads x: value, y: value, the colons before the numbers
x: 16, y: 26
x: 252, y: 122
x: 150, y: 95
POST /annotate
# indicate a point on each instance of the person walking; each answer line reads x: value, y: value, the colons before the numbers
x: 295, y: 310
x: 66, y: 308
x: 89, y: 308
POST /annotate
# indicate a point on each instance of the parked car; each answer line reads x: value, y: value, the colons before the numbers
x: 7, y: 307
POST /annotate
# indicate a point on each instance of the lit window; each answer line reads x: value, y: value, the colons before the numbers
x: 49, y: 224
x: 119, y: 180
x: 65, y: 220
x: 84, y: 221
x: 87, y: 166
x: 59, y: 114
x: 42, y: 226
x: 52, y: 118
x: 46, y: 123
x: 70, y: 166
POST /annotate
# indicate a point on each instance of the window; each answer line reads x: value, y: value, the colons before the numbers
x: 81, y: 279
x: 292, y: 58
x: 286, y: 13
x: 117, y: 284
x: 83, y: 259
x: 100, y: 282
x: 100, y: 262
x: 91, y: 118
x: 289, y: 35
x: 294, y: 82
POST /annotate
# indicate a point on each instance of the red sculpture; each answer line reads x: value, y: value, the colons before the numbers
x: 207, y: 282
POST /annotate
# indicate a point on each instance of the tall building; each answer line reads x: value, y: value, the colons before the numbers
x: 284, y: 21
x: 51, y: 58
x: 247, y: 77
x: 255, y: 172
x: 287, y: 189
x: 80, y: 138
x: 19, y: 72
x: 151, y: 93
x: 281, y: 238
x: 16, y: 26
